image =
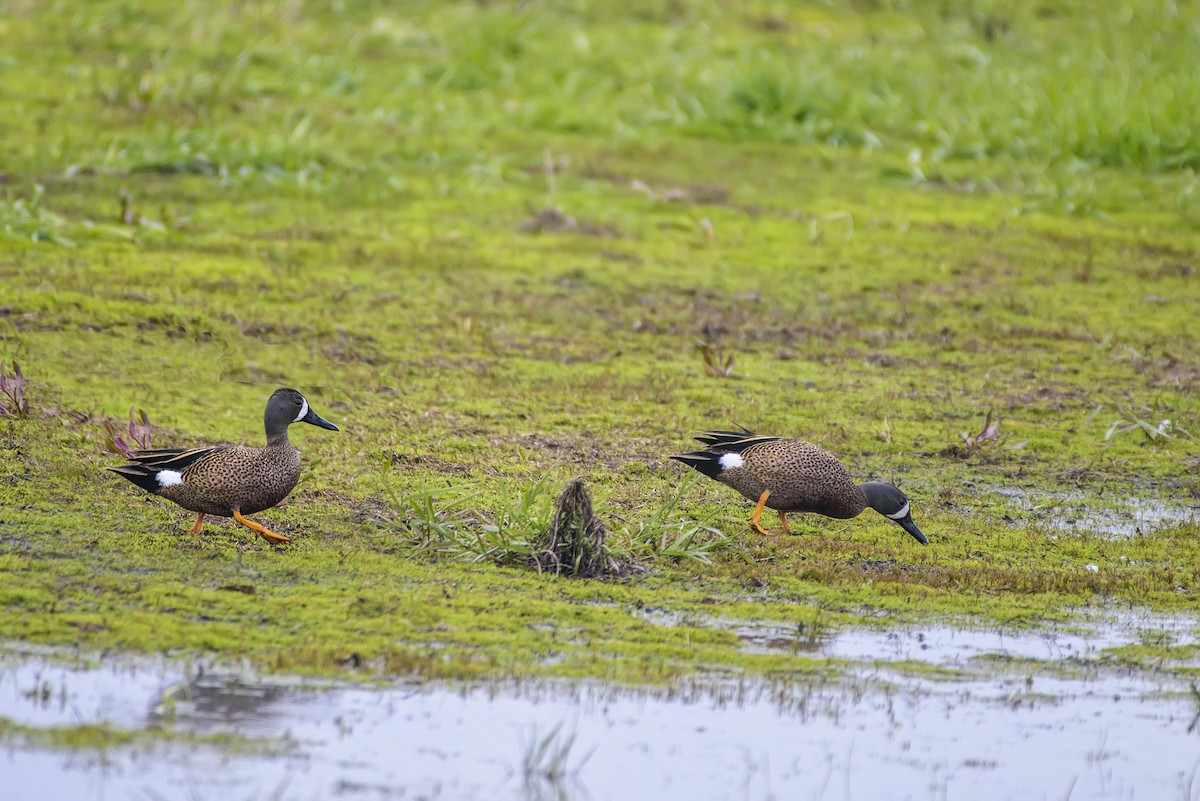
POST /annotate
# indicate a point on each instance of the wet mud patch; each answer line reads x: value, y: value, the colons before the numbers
x: 297, y: 233
x: 1130, y: 518
x: 573, y: 450
x: 695, y: 194
x: 552, y: 220
x: 272, y: 333
x: 663, y: 190
x: 421, y: 462
x: 1080, y: 513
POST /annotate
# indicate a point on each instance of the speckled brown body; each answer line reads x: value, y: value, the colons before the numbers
x: 246, y: 480
x: 230, y: 480
x: 800, y: 476
x: 791, y: 475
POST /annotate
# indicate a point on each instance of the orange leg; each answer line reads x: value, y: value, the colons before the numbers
x: 199, y: 522
x: 758, y: 510
x: 784, y: 523
x: 261, y: 530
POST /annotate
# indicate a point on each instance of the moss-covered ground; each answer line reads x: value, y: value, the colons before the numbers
x: 485, y: 238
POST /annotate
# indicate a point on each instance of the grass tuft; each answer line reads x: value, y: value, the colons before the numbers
x: 545, y: 759
x: 1130, y: 420
x: 574, y: 542
x: 28, y: 219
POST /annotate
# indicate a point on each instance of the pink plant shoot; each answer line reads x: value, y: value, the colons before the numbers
x: 12, y: 391
x: 139, y: 433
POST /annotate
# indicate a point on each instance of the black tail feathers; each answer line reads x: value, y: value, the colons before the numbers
x: 707, y: 462
x: 145, y: 477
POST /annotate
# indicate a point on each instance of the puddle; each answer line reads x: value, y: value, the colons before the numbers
x: 1083, y: 640
x: 873, y: 734
x: 949, y: 647
x: 1121, y: 518
x: 1132, y: 518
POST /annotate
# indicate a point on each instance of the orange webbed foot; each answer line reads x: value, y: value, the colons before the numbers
x: 261, y: 530
x: 758, y: 510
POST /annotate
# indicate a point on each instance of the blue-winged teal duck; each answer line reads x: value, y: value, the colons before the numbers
x: 791, y: 475
x: 230, y: 480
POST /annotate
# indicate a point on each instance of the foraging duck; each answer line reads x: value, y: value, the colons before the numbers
x: 791, y: 475
x: 231, y: 480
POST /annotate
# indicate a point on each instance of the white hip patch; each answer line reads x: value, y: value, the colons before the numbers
x: 731, y: 460
x: 303, y: 410
x: 901, y: 514
x: 168, y: 478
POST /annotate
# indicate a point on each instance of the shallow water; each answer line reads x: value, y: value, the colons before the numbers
x: 1119, y: 518
x: 955, y: 647
x: 874, y: 733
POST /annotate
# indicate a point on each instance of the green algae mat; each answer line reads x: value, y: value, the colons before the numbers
x: 502, y: 246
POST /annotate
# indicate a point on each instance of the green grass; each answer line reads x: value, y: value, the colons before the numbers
x: 102, y: 737
x: 484, y: 239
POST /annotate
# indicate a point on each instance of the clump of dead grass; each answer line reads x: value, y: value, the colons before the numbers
x: 574, y: 542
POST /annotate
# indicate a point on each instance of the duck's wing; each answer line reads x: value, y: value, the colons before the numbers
x: 732, y: 441
x: 174, y: 458
x: 148, y: 466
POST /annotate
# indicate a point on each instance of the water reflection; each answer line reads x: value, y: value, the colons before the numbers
x: 219, y: 701
x: 871, y: 732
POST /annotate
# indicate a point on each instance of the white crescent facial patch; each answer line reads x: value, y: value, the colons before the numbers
x: 303, y: 410
x: 731, y: 460
x: 901, y: 514
x: 168, y: 478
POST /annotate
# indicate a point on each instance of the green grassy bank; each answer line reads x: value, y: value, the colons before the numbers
x: 484, y: 240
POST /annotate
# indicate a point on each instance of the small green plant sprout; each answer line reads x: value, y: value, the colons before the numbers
x: 433, y: 528
x: 885, y: 431
x: 544, y: 759
x: 132, y: 217
x: 816, y: 223
x: 551, y: 166
x: 1130, y: 420
x: 12, y: 391
x: 167, y: 707
x: 1195, y: 724
x: 664, y: 534
x: 28, y: 220
x: 717, y: 363
x: 139, y: 431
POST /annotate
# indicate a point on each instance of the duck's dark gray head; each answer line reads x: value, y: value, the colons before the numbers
x: 288, y: 406
x: 892, y: 504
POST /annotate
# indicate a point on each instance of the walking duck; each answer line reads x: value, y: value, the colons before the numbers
x: 230, y: 480
x: 791, y: 475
